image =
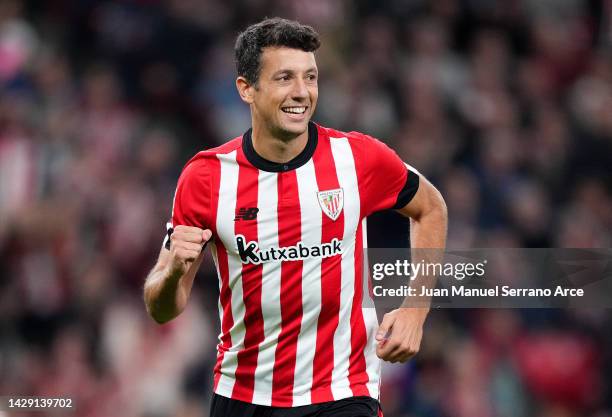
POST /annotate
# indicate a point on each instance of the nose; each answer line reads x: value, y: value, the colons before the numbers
x: 299, y: 92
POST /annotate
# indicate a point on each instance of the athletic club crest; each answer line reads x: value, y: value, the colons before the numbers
x: 331, y: 202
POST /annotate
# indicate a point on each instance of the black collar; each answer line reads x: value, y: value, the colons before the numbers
x: 265, y: 165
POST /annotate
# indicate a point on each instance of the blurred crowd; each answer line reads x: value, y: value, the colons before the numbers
x: 505, y: 105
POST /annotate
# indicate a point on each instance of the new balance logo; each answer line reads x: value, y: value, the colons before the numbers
x: 250, y: 253
x: 246, y: 213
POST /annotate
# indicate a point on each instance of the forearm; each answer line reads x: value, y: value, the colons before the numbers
x: 428, y: 241
x: 400, y: 333
x: 168, y: 285
x: 429, y: 230
x: 165, y: 294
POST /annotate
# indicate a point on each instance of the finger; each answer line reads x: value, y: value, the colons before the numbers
x: 409, y: 347
x: 189, y: 231
x: 394, y: 350
x: 390, y: 357
x: 397, y: 342
x: 206, y: 235
x: 406, y: 353
x: 193, y: 236
x: 385, y: 326
x: 387, y: 335
x: 384, y: 356
x: 182, y: 245
x: 386, y: 349
x: 182, y: 228
x: 399, y: 354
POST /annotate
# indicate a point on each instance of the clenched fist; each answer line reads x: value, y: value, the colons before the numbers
x: 186, y: 244
x: 399, y: 335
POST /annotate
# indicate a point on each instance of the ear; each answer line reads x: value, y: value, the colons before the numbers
x: 245, y: 90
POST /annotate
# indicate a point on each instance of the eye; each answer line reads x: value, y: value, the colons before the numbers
x: 311, y: 77
x: 284, y: 77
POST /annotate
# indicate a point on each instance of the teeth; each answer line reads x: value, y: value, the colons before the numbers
x: 294, y: 110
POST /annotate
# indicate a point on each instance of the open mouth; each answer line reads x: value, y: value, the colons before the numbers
x: 294, y: 109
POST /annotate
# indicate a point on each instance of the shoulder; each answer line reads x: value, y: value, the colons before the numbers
x: 331, y: 134
x: 367, y: 150
x: 353, y: 136
x: 202, y: 160
x: 359, y: 141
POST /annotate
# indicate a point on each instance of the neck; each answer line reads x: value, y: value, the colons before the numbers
x: 275, y: 148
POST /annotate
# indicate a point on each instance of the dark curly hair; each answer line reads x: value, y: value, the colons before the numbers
x: 270, y: 32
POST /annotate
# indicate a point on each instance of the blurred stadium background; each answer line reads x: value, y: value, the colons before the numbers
x: 505, y: 105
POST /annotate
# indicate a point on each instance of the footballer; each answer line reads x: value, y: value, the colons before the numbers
x: 284, y: 209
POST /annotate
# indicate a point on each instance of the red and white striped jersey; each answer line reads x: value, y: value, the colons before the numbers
x: 288, y: 247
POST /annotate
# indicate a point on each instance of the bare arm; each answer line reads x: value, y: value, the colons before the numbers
x: 428, y: 217
x: 428, y: 224
x: 169, y: 283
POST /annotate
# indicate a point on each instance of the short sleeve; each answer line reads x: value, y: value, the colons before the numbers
x: 191, y: 205
x: 389, y: 182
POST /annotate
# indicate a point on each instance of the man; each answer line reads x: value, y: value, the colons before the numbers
x: 284, y: 207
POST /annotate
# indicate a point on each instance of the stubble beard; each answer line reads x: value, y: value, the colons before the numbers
x: 285, y: 135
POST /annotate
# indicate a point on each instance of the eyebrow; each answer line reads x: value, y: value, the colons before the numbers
x: 289, y: 71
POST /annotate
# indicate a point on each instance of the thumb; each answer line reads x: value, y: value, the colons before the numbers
x: 385, y: 326
x: 206, y: 235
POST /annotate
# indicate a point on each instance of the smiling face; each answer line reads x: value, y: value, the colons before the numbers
x: 285, y: 96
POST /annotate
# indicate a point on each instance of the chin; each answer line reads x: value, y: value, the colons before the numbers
x: 288, y: 132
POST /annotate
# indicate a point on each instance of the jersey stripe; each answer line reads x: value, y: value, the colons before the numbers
x: 325, y: 171
x: 267, y: 231
x: 289, y: 234
x: 228, y: 185
x: 311, y: 215
x: 247, y: 198
x: 345, y: 335
x: 373, y: 363
x: 219, y: 255
x: 357, y: 372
